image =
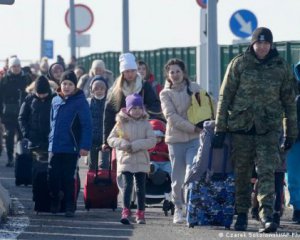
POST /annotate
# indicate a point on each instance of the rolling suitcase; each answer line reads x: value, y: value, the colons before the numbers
x: 211, y: 190
x: 211, y: 198
x: 23, y: 164
x: 40, y: 189
x: 100, y: 189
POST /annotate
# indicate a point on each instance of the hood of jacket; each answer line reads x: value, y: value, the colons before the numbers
x: 123, y: 116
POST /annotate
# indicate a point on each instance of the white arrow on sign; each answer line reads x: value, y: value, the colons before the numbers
x: 246, y: 27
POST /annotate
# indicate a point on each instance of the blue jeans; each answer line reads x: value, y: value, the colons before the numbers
x: 163, y: 166
x: 181, y: 157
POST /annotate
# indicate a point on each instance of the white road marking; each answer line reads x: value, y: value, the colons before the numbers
x: 75, y: 235
x: 84, y: 228
x: 15, y: 224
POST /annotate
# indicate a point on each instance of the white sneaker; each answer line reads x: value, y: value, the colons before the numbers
x: 178, y: 218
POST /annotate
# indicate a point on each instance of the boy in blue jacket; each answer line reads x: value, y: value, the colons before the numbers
x: 70, y: 137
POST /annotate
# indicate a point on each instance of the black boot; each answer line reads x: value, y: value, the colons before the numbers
x: 70, y: 209
x: 10, y: 164
x: 268, y: 225
x: 10, y: 161
x: 276, y: 218
x: 296, y: 216
x: 55, y: 205
x: 241, y: 223
x: 254, y: 213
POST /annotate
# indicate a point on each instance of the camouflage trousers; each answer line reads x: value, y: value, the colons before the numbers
x: 263, y: 151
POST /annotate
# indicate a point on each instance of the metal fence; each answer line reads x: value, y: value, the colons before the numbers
x: 156, y: 59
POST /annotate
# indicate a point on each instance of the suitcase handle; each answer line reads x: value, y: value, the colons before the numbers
x: 108, y: 180
x: 225, y: 158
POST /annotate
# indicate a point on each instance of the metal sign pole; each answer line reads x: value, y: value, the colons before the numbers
x: 125, y: 47
x: 72, y: 28
x: 42, y: 29
x: 212, y: 50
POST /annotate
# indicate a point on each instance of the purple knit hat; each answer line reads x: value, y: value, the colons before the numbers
x: 134, y: 100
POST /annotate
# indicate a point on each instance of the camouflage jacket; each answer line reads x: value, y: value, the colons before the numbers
x: 259, y: 94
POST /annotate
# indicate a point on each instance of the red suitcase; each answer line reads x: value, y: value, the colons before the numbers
x: 100, y: 188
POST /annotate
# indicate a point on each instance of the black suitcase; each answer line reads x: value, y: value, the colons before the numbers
x: 40, y: 190
x: 23, y: 169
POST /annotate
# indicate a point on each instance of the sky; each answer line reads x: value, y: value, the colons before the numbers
x: 153, y: 24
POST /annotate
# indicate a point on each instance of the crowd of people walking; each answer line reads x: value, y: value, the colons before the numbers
x: 66, y: 113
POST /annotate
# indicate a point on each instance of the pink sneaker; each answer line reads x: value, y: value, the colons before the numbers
x: 140, y: 217
x: 125, y: 216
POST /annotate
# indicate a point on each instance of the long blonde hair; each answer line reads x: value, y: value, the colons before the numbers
x: 116, y: 94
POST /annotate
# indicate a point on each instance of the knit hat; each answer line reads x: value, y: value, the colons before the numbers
x: 262, y: 34
x: 100, y: 79
x: 13, y: 61
x: 42, y: 85
x: 127, y: 62
x: 98, y: 64
x: 133, y: 100
x: 158, y: 126
x: 69, y: 75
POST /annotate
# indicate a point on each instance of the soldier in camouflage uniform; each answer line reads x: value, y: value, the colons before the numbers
x: 257, y: 93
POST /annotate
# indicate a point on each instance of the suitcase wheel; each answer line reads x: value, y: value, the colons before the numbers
x: 227, y: 227
x: 114, y: 205
x: 172, y: 209
x: 17, y: 183
x: 191, y: 225
x: 87, y: 204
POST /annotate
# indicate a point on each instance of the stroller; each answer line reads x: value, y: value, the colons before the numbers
x: 158, y: 189
x: 158, y: 183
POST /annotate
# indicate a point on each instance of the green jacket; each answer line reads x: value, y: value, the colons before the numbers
x: 260, y: 94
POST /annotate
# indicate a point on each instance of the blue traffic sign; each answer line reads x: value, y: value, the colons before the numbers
x: 48, y: 49
x: 243, y: 23
x: 202, y: 3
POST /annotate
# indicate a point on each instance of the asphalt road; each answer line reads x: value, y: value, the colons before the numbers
x: 24, y: 223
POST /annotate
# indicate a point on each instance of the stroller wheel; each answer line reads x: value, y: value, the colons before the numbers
x: 172, y: 207
x: 166, y: 205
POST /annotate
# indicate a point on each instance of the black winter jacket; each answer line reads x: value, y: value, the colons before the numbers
x: 34, y: 120
x: 12, y: 94
x: 97, y: 113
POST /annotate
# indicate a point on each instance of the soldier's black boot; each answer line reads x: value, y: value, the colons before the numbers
x: 241, y: 223
x: 276, y: 218
x: 268, y: 225
x: 254, y: 213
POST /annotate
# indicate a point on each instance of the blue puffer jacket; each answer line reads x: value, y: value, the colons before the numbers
x: 70, y: 123
x: 298, y: 116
